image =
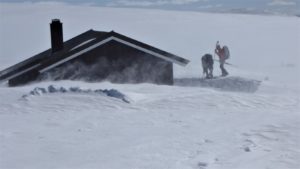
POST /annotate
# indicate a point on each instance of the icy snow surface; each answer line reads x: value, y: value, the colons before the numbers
x: 238, y: 84
x: 185, y: 126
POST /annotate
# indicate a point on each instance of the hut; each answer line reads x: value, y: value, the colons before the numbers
x: 95, y: 56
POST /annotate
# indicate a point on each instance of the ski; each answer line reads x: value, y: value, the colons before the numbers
x: 226, y: 63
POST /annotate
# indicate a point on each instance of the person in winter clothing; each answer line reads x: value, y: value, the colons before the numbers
x: 223, y: 54
x: 207, y: 65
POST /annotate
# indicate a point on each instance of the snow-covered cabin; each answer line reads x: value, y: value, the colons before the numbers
x: 95, y: 56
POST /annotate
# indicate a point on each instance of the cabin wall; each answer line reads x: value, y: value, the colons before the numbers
x: 117, y: 63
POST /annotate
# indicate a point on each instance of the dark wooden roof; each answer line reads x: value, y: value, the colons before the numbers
x: 43, y: 56
x: 78, y: 45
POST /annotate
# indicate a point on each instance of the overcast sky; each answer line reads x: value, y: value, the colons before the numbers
x: 275, y: 6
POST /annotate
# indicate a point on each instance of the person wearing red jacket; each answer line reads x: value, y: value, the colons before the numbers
x: 223, y: 54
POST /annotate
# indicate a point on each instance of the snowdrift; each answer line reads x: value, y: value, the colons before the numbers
x: 238, y: 84
x: 38, y: 91
x: 191, y: 127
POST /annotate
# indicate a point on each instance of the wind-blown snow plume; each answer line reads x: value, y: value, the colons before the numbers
x: 164, y: 126
x: 139, y: 69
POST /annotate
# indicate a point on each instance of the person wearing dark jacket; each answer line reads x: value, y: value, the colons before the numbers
x: 207, y: 65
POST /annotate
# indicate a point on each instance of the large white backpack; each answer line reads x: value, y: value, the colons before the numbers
x: 226, y: 52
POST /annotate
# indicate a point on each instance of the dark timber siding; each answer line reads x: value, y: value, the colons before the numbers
x: 106, y: 58
x: 117, y: 63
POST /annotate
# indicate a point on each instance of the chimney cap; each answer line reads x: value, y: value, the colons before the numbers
x: 55, y: 20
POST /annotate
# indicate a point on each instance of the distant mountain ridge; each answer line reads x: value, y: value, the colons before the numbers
x: 273, y: 7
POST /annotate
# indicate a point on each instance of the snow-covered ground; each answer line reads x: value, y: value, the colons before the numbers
x: 180, y: 126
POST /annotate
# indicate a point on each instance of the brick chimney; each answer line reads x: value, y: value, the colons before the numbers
x: 57, y: 42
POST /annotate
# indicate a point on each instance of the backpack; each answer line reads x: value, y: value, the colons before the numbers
x: 226, y: 52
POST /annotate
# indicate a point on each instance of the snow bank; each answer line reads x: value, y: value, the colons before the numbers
x: 38, y: 91
x: 163, y: 126
x: 238, y: 84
